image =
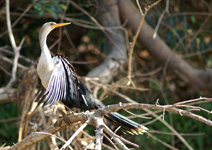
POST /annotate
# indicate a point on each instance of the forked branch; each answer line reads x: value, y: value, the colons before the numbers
x: 92, y: 118
x: 16, y: 48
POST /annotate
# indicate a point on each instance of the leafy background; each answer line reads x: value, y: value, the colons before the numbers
x: 186, y: 29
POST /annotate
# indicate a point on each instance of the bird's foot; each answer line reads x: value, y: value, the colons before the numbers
x: 66, y: 117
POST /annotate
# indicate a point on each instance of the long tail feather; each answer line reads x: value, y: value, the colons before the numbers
x: 126, y: 124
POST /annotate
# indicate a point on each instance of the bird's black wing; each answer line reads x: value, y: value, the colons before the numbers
x: 64, y: 86
x: 63, y: 82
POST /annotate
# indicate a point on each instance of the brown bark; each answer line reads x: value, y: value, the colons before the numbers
x: 109, y: 17
x: 199, y: 79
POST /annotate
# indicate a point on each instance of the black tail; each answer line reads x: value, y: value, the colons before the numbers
x: 126, y: 124
x: 89, y: 102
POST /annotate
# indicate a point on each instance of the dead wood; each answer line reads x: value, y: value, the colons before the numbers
x: 109, y: 17
x: 199, y: 79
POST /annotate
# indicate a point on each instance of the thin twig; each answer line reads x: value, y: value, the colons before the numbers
x: 12, y: 53
x: 97, y: 23
x: 112, y: 87
x: 169, y: 133
x: 135, y: 38
x: 111, y: 142
x: 160, y: 19
x: 60, y: 29
x: 51, y: 135
x: 192, y: 100
x: 162, y: 142
x: 204, y: 120
x: 20, y: 66
x: 74, y: 135
x: 20, y: 15
x: 118, y: 138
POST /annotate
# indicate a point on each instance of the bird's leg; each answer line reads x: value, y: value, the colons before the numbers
x: 69, y: 110
x: 59, y: 122
x: 65, y: 118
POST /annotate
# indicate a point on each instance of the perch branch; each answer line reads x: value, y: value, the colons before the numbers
x: 60, y: 124
x: 90, y: 118
x: 156, y: 116
x: 169, y: 108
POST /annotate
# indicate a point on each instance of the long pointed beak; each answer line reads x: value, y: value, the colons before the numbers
x: 60, y: 25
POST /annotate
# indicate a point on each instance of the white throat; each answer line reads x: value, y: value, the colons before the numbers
x: 45, y: 65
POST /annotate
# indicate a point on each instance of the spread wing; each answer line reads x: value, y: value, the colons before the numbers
x: 63, y: 82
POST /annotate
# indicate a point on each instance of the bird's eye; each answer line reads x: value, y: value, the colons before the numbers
x: 51, y: 23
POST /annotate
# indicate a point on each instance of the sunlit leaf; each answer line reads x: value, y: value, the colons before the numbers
x: 193, y: 19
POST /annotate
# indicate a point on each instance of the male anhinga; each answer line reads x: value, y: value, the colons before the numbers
x: 61, y: 83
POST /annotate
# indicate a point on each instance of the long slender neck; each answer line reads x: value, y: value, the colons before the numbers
x: 44, y: 48
x: 45, y: 65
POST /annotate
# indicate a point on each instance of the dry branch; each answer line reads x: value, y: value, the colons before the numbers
x: 143, y: 15
x: 109, y: 17
x: 9, y: 95
x: 60, y: 124
x: 74, y: 135
x: 93, y: 117
x: 199, y: 79
x: 16, y: 48
x: 99, y: 134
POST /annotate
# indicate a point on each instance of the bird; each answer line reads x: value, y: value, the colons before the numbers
x: 61, y: 83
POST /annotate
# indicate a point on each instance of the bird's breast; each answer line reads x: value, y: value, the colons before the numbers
x: 44, y: 70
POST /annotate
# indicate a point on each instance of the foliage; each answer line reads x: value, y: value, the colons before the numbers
x: 53, y: 7
x: 178, y: 29
x: 8, y: 130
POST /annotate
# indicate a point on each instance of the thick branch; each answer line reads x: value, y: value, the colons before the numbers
x: 109, y: 17
x: 169, y: 108
x: 199, y: 79
x: 36, y: 137
x: 8, y: 96
x: 92, y: 118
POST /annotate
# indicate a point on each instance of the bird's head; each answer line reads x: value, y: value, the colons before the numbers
x: 49, y: 26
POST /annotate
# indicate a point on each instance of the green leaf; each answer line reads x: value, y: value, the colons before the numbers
x: 38, y: 6
x: 193, y: 19
x: 39, y: 9
x: 63, y: 6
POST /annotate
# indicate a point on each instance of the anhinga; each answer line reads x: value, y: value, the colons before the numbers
x: 59, y: 79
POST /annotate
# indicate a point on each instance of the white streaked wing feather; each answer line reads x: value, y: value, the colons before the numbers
x: 61, y: 82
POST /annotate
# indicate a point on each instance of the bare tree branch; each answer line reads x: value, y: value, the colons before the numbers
x: 93, y: 117
x: 162, y: 142
x: 16, y: 48
x: 143, y: 15
x: 198, y: 79
x: 109, y: 17
x: 166, y: 10
x: 60, y: 124
x: 74, y: 135
x: 169, y: 108
x: 99, y: 134
x: 9, y: 95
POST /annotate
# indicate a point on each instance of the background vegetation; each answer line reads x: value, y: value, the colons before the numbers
x: 185, y: 28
